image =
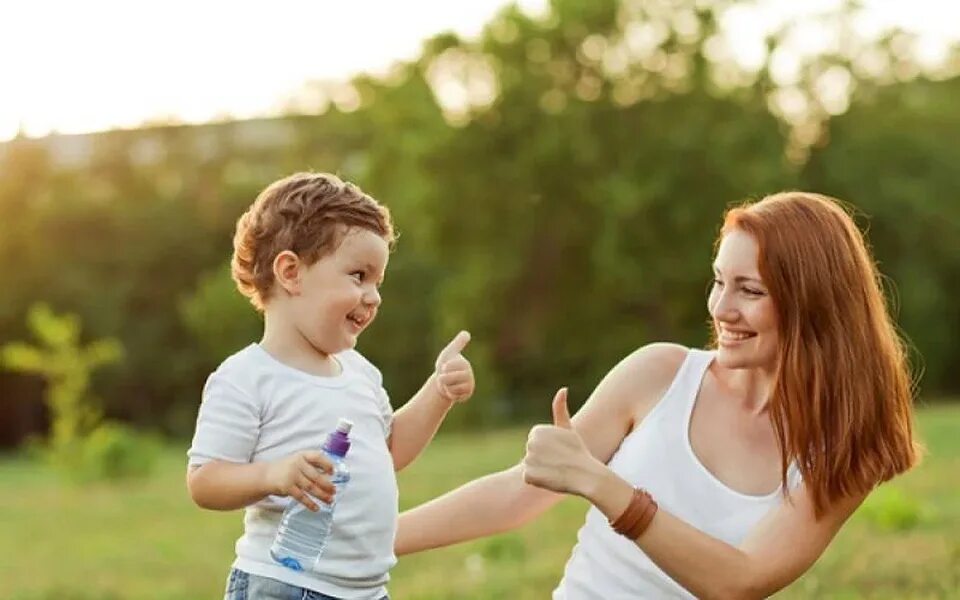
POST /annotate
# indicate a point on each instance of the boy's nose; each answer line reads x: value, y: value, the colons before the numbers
x: 372, y: 297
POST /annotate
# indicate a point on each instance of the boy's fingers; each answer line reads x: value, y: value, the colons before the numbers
x: 303, y: 482
x: 317, y: 459
x: 455, y: 347
x: 320, y: 489
x: 303, y: 499
x: 324, y: 484
x: 325, y: 496
x: 460, y: 390
x: 448, y: 379
x: 457, y: 363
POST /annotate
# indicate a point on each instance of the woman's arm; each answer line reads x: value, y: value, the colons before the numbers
x: 779, y: 549
x: 502, y: 501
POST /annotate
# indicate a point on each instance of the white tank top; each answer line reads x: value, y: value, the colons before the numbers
x: 657, y: 456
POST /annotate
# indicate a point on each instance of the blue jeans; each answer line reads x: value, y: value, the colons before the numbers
x: 244, y: 586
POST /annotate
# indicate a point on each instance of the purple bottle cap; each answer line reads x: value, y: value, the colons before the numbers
x: 338, y: 442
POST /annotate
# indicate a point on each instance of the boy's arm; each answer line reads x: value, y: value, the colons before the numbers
x: 415, y: 424
x: 224, y: 485
x: 221, y: 476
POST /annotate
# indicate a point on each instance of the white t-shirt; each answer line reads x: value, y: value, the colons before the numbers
x: 256, y: 408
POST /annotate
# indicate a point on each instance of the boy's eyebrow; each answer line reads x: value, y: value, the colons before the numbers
x: 371, y: 269
x: 739, y: 278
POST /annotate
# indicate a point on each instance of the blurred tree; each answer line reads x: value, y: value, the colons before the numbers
x: 557, y: 184
x: 588, y: 230
x: 66, y: 367
x: 895, y: 156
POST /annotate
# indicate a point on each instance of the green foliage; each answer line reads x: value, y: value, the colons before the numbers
x: 560, y: 203
x: 221, y: 319
x: 66, y: 367
x: 114, y: 452
x: 893, y: 156
x: 81, y: 444
x: 890, y: 509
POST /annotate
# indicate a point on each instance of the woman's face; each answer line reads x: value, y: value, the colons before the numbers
x: 743, y: 313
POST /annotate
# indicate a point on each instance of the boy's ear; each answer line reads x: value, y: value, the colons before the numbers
x: 286, y: 271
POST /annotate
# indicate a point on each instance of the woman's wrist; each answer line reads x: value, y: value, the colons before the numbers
x: 607, y: 491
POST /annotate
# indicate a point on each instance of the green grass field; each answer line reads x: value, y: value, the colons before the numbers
x: 147, y: 540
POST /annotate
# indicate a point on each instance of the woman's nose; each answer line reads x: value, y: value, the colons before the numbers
x: 723, y: 308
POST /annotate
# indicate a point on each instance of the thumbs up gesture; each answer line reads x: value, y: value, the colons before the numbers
x: 557, y: 459
x: 454, y: 374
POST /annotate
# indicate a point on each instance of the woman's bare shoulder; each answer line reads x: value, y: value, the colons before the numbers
x: 641, y: 378
x: 655, y: 363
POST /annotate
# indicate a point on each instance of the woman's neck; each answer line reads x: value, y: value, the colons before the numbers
x: 752, y: 387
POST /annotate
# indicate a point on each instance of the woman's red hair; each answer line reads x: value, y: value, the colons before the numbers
x: 842, y: 401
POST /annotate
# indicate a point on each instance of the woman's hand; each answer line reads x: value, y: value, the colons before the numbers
x: 557, y: 459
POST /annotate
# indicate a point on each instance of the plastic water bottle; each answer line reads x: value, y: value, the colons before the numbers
x: 303, y: 534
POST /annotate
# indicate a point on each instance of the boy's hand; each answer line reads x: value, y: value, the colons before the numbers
x: 454, y: 373
x: 300, y: 474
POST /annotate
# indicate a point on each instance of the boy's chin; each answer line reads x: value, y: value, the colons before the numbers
x: 328, y: 347
x: 349, y: 342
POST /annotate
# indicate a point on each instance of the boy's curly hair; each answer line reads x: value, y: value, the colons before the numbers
x: 306, y: 213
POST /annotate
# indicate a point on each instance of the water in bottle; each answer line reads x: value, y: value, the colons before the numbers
x: 303, y: 534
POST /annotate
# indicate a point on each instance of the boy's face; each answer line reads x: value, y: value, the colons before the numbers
x: 339, y: 294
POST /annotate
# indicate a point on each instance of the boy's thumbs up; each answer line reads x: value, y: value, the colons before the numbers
x: 454, y: 375
x: 561, y: 414
x: 455, y: 347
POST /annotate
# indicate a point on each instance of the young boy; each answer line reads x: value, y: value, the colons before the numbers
x: 310, y: 253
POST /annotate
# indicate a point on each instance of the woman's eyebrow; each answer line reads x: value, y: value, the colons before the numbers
x: 739, y: 278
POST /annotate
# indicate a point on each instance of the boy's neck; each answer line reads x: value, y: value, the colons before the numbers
x: 284, y: 342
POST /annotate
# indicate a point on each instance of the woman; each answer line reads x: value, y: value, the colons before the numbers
x: 722, y: 473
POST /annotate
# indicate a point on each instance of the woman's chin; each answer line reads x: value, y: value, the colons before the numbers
x: 729, y: 360
x: 738, y: 359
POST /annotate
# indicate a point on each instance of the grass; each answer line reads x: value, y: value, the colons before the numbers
x: 146, y: 540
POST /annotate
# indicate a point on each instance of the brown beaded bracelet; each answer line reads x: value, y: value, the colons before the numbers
x: 637, y: 516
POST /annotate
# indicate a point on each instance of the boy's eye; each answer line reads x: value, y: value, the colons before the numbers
x: 717, y: 283
x: 358, y: 275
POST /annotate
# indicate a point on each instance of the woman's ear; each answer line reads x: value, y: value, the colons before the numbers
x: 286, y: 271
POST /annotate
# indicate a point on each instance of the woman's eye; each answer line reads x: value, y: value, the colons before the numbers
x: 753, y: 292
x: 717, y: 283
